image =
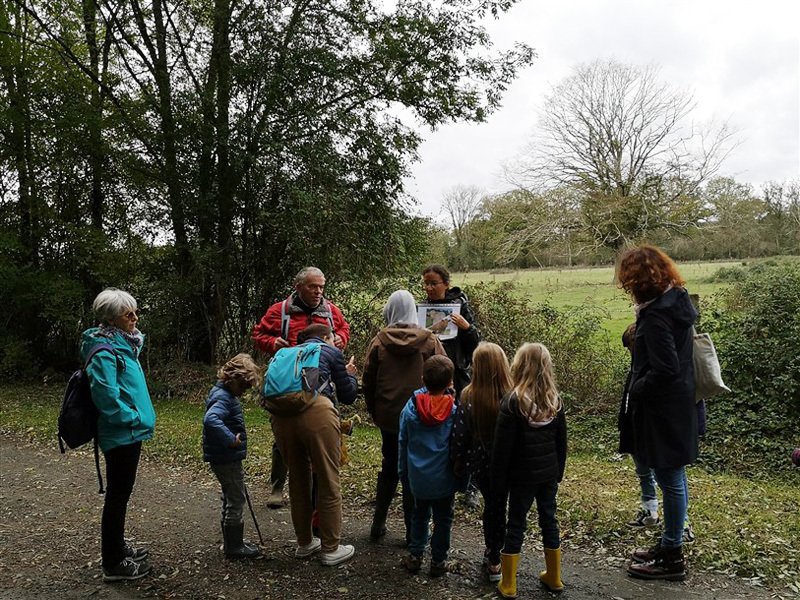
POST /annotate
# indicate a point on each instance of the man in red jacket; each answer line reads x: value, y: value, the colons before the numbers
x: 284, y: 320
x: 278, y: 329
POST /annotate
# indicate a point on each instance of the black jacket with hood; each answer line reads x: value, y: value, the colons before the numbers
x: 527, y: 452
x: 662, y: 383
x: 460, y: 348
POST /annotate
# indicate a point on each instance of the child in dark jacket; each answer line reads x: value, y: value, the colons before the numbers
x: 225, y: 447
x: 424, y: 463
x: 528, y: 460
x: 473, y: 436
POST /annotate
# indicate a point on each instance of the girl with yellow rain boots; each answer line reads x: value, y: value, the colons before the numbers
x: 528, y: 460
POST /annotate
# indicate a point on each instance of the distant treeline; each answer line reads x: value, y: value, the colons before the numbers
x: 572, y: 226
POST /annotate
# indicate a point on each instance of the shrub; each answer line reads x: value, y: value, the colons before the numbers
x: 727, y: 274
x: 756, y: 328
x: 590, y: 369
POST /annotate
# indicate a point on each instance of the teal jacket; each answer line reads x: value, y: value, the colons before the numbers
x: 119, y: 391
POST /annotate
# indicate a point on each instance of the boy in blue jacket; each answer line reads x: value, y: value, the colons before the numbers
x: 225, y: 447
x: 424, y: 463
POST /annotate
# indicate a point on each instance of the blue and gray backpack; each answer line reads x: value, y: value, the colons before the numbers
x: 292, y: 383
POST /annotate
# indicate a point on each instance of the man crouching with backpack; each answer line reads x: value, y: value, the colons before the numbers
x: 309, y: 438
x: 126, y: 418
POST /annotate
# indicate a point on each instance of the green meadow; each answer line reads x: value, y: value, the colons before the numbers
x: 571, y: 287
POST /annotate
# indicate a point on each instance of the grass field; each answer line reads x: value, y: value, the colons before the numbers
x: 573, y: 287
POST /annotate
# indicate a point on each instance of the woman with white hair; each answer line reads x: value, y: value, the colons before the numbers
x: 126, y: 418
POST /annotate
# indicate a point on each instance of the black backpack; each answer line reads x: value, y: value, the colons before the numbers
x: 77, y: 421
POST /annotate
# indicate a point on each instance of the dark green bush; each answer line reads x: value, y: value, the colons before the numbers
x: 755, y: 325
x: 590, y: 369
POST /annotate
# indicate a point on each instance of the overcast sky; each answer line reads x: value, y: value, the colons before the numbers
x: 741, y: 59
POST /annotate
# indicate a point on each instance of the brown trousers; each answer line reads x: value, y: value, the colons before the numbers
x: 311, y: 440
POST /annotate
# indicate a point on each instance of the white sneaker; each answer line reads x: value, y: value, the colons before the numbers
x: 308, y: 549
x: 338, y: 556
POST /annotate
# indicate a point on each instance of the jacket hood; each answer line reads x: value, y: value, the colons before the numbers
x: 403, y: 338
x: 454, y: 294
x: 433, y: 410
x: 400, y: 308
x: 677, y: 303
x: 90, y: 338
x: 213, y: 395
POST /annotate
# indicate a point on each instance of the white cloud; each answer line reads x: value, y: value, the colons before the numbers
x: 742, y: 60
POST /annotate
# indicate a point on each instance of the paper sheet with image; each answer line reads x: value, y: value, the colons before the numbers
x: 437, y: 318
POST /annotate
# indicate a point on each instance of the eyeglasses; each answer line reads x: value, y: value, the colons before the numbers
x: 428, y: 284
x: 131, y: 315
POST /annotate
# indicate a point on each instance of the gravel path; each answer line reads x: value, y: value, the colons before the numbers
x: 50, y: 546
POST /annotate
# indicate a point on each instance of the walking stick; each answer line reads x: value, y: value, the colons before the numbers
x: 253, y: 514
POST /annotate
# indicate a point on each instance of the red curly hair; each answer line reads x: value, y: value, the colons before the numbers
x: 646, y: 273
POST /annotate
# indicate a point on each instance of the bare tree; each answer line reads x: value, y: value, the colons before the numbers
x: 625, y: 138
x: 462, y: 204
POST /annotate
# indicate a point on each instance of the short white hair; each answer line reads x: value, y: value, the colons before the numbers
x: 110, y: 303
x: 304, y: 274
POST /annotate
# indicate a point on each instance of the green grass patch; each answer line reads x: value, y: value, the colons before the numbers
x: 747, y: 527
x: 566, y: 288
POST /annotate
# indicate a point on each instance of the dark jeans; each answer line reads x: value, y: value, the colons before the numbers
x: 492, y: 522
x: 121, y: 465
x: 443, y: 512
x: 389, y: 455
x: 520, y: 500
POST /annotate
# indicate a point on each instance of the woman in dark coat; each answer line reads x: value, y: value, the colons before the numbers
x: 661, y: 395
x: 436, y: 281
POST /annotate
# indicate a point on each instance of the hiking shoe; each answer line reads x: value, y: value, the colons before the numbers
x: 438, y: 568
x: 668, y: 564
x: 127, y: 570
x: 412, y: 563
x: 341, y: 554
x: 645, y: 518
x: 645, y: 555
x: 305, y: 551
x: 471, y: 500
x: 688, y: 534
x: 494, y: 572
x: 137, y: 554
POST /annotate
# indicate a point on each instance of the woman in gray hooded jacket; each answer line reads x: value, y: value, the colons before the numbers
x: 392, y: 371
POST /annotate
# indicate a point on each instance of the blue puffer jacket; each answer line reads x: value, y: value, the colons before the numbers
x: 424, y: 445
x: 223, y: 420
x: 119, y: 391
x: 332, y: 366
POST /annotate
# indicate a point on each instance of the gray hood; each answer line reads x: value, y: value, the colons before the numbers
x: 400, y: 308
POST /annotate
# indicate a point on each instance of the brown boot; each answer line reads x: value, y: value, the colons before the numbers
x: 668, y: 564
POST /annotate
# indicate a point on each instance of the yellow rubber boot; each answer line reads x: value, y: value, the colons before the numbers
x: 508, y: 567
x: 551, y: 576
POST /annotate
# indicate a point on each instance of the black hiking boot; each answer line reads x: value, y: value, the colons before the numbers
x: 127, y: 570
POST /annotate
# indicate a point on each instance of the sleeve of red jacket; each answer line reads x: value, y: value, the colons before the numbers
x: 341, y: 326
x: 268, y: 329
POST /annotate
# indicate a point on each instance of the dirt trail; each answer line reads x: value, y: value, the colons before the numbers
x: 50, y: 546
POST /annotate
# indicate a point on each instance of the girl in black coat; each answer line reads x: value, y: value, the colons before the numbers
x: 528, y: 460
x: 661, y: 396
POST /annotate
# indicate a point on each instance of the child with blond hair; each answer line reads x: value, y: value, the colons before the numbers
x: 528, y: 460
x: 225, y: 447
x: 473, y: 436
